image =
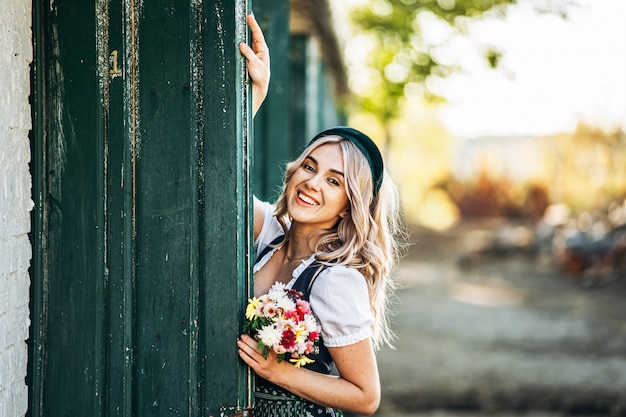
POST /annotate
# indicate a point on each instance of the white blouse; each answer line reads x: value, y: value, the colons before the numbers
x: 339, y: 299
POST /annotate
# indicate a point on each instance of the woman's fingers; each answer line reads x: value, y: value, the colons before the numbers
x: 258, y: 58
x: 248, y: 348
x: 247, y: 340
x: 258, y: 39
x: 258, y: 54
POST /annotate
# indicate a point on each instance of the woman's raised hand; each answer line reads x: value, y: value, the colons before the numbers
x: 258, y: 57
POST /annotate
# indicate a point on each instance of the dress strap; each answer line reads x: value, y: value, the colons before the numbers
x: 305, y: 281
x: 269, y: 247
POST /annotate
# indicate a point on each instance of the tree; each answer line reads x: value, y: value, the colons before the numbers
x: 401, y: 60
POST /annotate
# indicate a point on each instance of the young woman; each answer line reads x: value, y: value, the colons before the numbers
x: 332, y: 235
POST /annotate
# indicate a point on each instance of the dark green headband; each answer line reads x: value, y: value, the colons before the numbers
x: 365, y: 145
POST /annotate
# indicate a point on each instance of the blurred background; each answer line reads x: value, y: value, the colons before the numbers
x: 503, y: 125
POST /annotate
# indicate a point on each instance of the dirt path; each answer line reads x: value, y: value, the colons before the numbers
x: 503, y: 336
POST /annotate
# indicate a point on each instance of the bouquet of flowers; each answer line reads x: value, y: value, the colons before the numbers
x: 283, y: 322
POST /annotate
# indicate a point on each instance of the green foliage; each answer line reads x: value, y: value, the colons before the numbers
x: 252, y: 326
x: 265, y: 350
x: 400, y: 56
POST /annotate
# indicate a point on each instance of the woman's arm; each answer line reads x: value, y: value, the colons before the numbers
x: 258, y: 58
x: 356, y: 390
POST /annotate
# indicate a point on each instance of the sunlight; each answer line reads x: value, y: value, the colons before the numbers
x: 550, y: 78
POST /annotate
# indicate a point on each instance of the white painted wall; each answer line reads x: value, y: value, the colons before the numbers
x: 16, y: 54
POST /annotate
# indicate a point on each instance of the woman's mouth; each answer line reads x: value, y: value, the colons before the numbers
x: 307, y: 199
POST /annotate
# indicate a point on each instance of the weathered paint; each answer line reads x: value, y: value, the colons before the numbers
x: 141, y: 273
x: 15, y: 203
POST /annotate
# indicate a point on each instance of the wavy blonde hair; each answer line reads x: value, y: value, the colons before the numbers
x: 369, y: 238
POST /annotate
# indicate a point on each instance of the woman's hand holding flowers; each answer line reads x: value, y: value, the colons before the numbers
x: 266, y: 367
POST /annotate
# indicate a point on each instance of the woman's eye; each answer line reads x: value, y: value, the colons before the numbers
x: 333, y: 181
x: 307, y: 167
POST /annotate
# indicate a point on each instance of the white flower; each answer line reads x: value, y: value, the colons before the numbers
x: 310, y: 323
x: 269, y: 335
x: 277, y: 291
x: 288, y: 324
x: 286, y: 303
x: 279, y: 324
x: 301, y: 347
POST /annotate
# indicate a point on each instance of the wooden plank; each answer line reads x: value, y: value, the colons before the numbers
x: 69, y: 285
x: 164, y: 208
x: 117, y: 85
x: 225, y: 209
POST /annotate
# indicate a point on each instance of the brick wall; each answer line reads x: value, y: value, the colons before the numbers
x: 15, y: 202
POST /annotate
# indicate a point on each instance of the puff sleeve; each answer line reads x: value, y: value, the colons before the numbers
x: 339, y: 298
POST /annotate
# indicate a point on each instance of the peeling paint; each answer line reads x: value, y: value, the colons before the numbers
x: 102, y: 46
x: 197, y: 70
x: 131, y: 72
x: 57, y: 138
x: 222, y: 48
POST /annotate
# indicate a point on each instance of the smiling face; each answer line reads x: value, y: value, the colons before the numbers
x: 316, y: 192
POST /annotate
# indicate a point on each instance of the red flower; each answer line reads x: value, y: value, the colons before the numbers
x: 289, y: 339
x: 313, y: 336
x: 303, y: 308
x: 291, y: 315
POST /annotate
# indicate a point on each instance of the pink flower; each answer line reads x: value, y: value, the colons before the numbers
x: 269, y: 310
x: 258, y: 311
x: 292, y: 315
x: 303, y: 308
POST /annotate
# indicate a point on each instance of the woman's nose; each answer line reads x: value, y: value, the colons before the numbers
x: 313, y: 182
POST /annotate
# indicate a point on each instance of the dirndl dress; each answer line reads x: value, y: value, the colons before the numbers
x: 274, y: 401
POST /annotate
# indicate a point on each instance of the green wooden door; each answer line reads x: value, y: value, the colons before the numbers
x: 141, y: 228
x: 271, y: 128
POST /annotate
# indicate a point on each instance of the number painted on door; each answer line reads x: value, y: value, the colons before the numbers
x: 114, y: 71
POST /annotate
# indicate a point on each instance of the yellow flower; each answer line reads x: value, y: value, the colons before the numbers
x: 301, y: 361
x: 253, y: 303
x: 301, y: 334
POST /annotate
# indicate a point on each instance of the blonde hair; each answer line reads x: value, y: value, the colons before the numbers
x: 369, y: 238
